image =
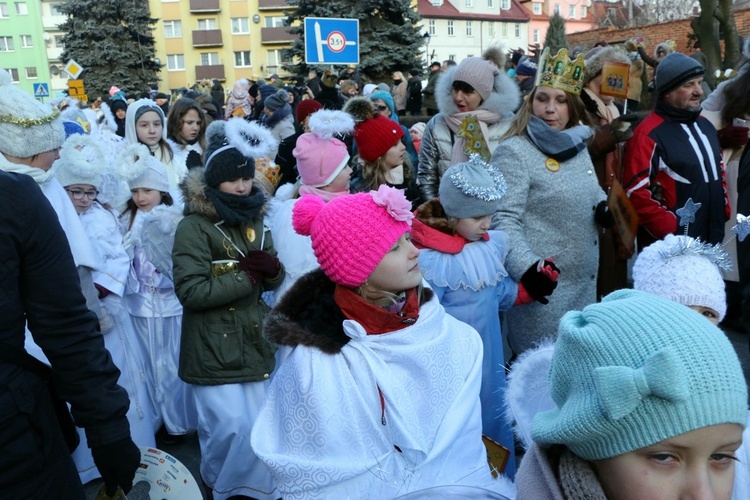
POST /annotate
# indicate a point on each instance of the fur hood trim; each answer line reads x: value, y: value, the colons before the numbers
x: 193, y: 188
x: 432, y: 214
x: 308, y: 315
x: 504, y: 99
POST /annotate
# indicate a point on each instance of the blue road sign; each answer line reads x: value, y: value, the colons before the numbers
x: 41, y: 90
x: 331, y: 41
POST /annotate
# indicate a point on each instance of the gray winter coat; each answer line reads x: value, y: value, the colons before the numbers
x: 548, y: 214
x: 437, y: 141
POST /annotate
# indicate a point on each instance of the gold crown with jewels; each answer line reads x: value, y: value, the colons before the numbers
x: 560, y: 72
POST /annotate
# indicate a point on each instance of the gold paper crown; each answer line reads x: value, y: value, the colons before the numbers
x: 270, y: 175
x: 560, y: 72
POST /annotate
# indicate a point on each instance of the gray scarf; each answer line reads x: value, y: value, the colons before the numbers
x: 559, y: 144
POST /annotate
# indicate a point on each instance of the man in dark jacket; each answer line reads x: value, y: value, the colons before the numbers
x: 429, y: 101
x: 413, y: 94
x: 674, y: 156
x: 39, y: 287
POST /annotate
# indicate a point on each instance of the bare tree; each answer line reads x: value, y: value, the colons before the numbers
x: 717, y: 16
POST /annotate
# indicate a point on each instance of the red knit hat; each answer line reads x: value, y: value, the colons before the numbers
x: 375, y: 136
x: 306, y: 108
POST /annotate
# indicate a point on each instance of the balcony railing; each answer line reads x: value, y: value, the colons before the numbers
x: 207, y: 38
x: 215, y: 71
x: 276, y: 35
x: 204, y: 6
x: 272, y: 4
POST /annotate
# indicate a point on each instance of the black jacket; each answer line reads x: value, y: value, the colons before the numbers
x: 39, y: 285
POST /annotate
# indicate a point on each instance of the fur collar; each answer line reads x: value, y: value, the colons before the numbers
x: 308, y: 315
x: 504, y: 99
x: 193, y: 189
x: 432, y: 214
x: 431, y: 229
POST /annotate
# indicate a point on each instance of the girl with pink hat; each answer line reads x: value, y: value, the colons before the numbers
x: 380, y: 396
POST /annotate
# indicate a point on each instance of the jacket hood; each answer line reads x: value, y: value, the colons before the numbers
x: 193, y: 189
x: 504, y: 99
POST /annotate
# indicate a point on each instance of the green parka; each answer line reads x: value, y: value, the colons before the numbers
x: 222, y: 322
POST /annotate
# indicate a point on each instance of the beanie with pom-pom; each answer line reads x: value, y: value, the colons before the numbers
x: 351, y: 235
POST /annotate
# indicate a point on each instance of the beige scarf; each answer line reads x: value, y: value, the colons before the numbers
x: 485, y: 118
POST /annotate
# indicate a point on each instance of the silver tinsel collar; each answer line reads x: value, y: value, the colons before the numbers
x: 686, y: 246
x: 487, y: 192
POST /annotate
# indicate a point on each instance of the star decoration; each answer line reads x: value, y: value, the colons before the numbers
x: 687, y: 213
x: 742, y: 229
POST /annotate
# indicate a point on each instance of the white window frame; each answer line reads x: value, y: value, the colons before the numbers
x: 242, y: 62
x: 27, y: 41
x: 537, y: 9
x: 490, y: 3
x: 36, y: 73
x: 584, y: 11
x: 468, y: 3
x: 53, y: 9
x: 207, y: 24
x: 6, y: 44
x: 504, y: 4
x: 469, y: 30
x: 431, y: 29
x: 571, y: 12
x: 3, y: 10
x: 240, y: 25
x: 13, y: 74
x: 173, y: 28
x: 451, y: 31
x: 536, y: 36
x: 274, y: 21
x: 59, y: 41
x: 209, y: 58
x: 557, y: 8
x: 491, y: 28
x: 175, y: 62
x: 517, y: 30
x: 22, y: 9
x: 504, y: 29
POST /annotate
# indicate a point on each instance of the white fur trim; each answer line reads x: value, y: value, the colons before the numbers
x: 326, y: 123
x: 251, y: 139
x: 109, y: 117
x: 133, y: 161
x: 81, y: 167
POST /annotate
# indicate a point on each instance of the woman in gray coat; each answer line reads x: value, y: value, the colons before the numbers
x: 550, y: 207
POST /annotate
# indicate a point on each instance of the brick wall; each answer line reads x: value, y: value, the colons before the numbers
x: 653, y: 34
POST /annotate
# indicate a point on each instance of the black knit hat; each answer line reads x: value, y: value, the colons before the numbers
x: 674, y: 70
x: 232, y: 149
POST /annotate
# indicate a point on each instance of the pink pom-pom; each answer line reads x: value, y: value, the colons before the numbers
x: 304, y: 212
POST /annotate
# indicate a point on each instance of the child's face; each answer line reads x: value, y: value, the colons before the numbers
x: 399, y: 268
x: 145, y: 199
x: 415, y: 135
x: 394, y: 156
x: 340, y: 182
x: 240, y: 186
x: 120, y: 113
x: 82, y: 196
x: 148, y: 128
x: 473, y: 228
x: 709, y: 313
x: 696, y: 464
x: 191, y: 126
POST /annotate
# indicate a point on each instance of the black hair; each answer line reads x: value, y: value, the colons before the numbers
x: 459, y: 86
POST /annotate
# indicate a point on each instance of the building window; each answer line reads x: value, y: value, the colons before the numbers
x: 467, y: 3
x: 172, y: 29
x: 431, y: 27
x: 572, y: 12
x: 518, y: 30
x: 452, y: 57
x: 6, y: 44
x: 54, y: 9
x: 537, y: 9
x: 175, y: 62
x: 240, y: 26
x: 274, y: 21
x: 490, y: 3
x: 450, y: 28
x: 276, y: 58
x: 26, y: 41
x: 557, y: 8
x: 31, y: 73
x: 207, y: 24
x: 504, y: 4
x: 584, y: 11
x: 3, y: 10
x: 242, y: 59
x: 22, y: 9
x: 468, y: 28
x: 536, y: 36
x: 59, y: 41
x: 13, y: 74
x: 504, y: 29
x: 209, y: 58
x: 491, y: 29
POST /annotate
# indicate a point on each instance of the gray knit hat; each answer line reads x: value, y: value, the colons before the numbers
x: 277, y: 100
x: 674, y: 70
x: 471, y: 189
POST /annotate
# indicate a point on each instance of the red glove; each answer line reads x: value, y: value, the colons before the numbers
x: 103, y: 292
x: 732, y: 137
x: 523, y: 296
x: 263, y: 263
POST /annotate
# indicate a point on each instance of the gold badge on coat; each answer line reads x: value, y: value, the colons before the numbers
x: 552, y: 165
x: 250, y: 234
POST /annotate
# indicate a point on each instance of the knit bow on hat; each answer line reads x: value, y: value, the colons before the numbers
x: 621, y: 388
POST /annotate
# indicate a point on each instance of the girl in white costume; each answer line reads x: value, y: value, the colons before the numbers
x: 80, y: 166
x: 149, y: 223
x: 380, y: 396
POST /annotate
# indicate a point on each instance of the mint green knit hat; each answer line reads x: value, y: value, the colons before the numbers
x: 634, y: 370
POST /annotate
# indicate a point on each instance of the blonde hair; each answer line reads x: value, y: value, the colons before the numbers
x: 373, y: 172
x: 381, y: 298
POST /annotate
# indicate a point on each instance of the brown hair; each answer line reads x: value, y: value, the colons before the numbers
x: 176, y: 118
x: 131, y: 208
x: 373, y: 172
x: 576, y: 111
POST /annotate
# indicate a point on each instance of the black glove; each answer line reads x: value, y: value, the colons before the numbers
x: 603, y: 216
x: 538, y: 283
x: 117, y: 463
x: 262, y: 263
x: 253, y: 275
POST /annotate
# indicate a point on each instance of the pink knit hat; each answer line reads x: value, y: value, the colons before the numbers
x: 320, y: 156
x: 479, y: 73
x: 351, y: 235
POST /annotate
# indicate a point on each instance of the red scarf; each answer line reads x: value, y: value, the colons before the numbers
x: 374, y: 319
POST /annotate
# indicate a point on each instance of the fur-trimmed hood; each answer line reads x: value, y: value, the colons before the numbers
x: 504, y: 99
x: 308, y: 315
x: 193, y: 188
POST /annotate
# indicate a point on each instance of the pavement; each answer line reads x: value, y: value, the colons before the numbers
x: 188, y: 451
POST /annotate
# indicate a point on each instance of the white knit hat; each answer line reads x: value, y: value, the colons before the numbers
x: 27, y: 126
x: 140, y: 169
x: 683, y: 270
x: 80, y: 167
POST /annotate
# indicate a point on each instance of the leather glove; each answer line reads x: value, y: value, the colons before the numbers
x: 264, y: 263
x: 540, y: 280
x: 622, y: 130
x: 117, y: 463
x: 733, y: 137
x: 253, y: 275
x: 603, y: 216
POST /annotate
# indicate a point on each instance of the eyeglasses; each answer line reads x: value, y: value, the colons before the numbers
x: 77, y: 194
x: 382, y: 107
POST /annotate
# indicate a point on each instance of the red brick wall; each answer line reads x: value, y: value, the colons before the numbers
x: 653, y: 34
